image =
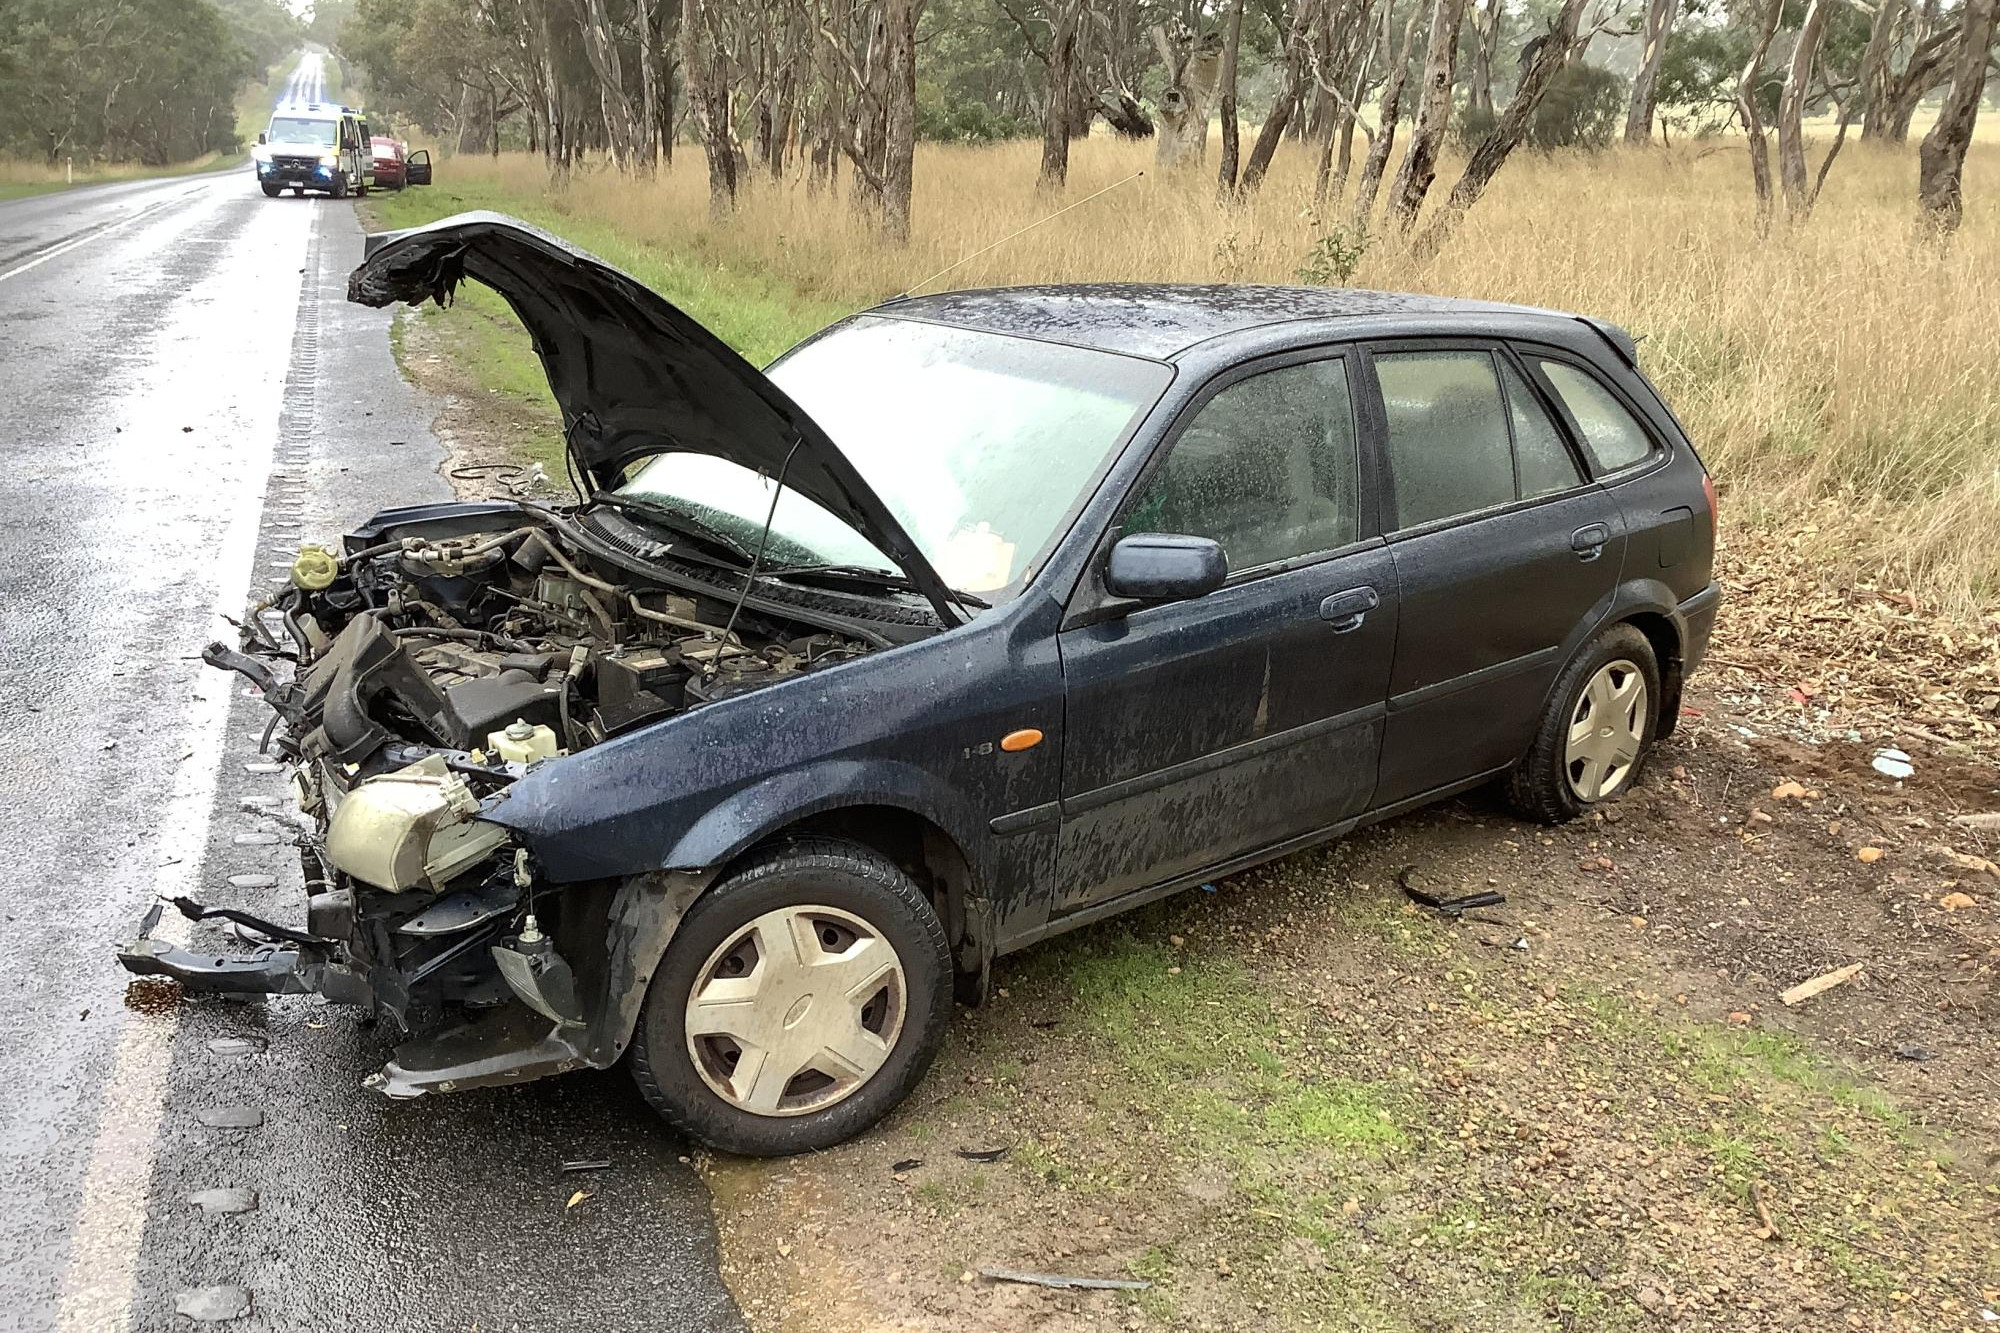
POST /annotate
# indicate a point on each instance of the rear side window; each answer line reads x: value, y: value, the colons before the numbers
x: 1613, y: 436
x: 1543, y: 460
x: 1449, y: 448
x: 1266, y: 468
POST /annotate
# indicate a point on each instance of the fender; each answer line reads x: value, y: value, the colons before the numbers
x: 748, y: 816
x: 1633, y: 597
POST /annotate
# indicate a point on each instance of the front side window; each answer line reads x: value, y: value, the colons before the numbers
x: 1266, y: 468
x: 981, y: 444
x: 1613, y: 436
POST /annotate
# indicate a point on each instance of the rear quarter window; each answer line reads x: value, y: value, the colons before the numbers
x: 1611, y: 433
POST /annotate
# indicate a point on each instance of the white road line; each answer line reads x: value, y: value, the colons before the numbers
x: 100, y: 1274
x: 73, y: 242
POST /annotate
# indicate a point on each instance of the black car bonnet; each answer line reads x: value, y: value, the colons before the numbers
x: 632, y: 373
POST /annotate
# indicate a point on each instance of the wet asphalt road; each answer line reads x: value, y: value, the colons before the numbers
x: 184, y: 396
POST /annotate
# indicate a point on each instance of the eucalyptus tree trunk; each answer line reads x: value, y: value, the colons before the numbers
x: 1385, y: 137
x: 707, y: 74
x: 1753, y: 119
x: 1493, y: 150
x: 1792, y: 175
x: 1486, y: 23
x: 1660, y: 16
x: 1065, y: 17
x: 1419, y: 169
x: 899, y: 21
x: 1192, y: 68
x: 1941, y: 161
x: 1232, y: 47
x: 600, y: 48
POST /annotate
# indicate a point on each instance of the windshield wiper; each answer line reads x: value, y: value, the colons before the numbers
x: 866, y: 574
x: 676, y: 520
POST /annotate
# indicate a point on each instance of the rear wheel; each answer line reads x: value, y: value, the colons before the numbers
x: 1593, y: 740
x: 802, y: 998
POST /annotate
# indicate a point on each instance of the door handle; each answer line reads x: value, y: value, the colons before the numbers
x: 1346, y: 610
x: 1588, y: 541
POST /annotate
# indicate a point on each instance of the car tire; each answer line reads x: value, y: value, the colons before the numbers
x: 271, y: 191
x: 1614, y: 685
x: 298, y: 191
x: 339, y: 186
x: 853, y: 900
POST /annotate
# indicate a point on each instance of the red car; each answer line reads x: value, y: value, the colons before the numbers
x: 389, y: 172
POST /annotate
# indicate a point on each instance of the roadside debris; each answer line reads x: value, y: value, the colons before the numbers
x: 1868, y: 856
x: 1769, y: 1231
x: 1987, y: 819
x: 603, y: 1164
x: 212, y: 1305
x: 1825, y: 981
x: 984, y: 1154
x: 1448, y: 906
x: 1909, y: 1050
x: 1892, y: 763
x: 225, y: 1199
x: 1062, y: 1282
x: 1951, y: 902
x: 576, y: 1199
x: 1791, y: 791
x: 907, y: 1164
x: 230, y: 1117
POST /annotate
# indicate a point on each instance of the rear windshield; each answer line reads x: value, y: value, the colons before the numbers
x: 297, y: 129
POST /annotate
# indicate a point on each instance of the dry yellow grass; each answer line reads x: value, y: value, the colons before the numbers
x: 1837, y: 375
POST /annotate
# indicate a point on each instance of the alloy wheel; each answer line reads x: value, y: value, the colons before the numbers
x: 1606, y: 730
x: 796, y: 1010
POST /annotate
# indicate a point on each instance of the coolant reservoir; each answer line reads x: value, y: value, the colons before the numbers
x: 521, y: 743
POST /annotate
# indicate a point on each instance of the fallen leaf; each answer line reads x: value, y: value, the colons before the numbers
x: 1951, y: 902
x: 1869, y: 855
x: 1976, y: 864
x: 1740, y: 1019
x: 1788, y: 791
x: 1759, y: 817
x: 577, y: 1198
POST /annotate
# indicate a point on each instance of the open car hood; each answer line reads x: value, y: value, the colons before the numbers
x: 631, y: 372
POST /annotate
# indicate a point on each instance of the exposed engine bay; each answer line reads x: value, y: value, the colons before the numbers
x: 433, y: 662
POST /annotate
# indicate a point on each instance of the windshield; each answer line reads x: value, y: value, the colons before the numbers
x: 981, y: 445
x: 296, y: 129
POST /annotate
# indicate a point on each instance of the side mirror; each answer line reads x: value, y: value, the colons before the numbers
x: 263, y: 137
x: 1161, y: 567
x: 417, y: 167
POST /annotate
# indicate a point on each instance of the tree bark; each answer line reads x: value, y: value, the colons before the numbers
x: 1285, y: 108
x: 1753, y: 119
x: 1385, y: 138
x: 1941, y: 160
x: 1232, y: 47
x: 600, y: 48
x: 899, y: 147
x: 1413, y: 178
x: 1792, y: 175
x: 1660, y: 15
x: 1550, y: 56
x: 1183, y: 117
x: 1874, y: 73
x: 708, y: 95
x: 1064, y: 19
x: 1486, y: 24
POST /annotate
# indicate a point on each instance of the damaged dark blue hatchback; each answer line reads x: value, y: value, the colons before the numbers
x: 977, y: 618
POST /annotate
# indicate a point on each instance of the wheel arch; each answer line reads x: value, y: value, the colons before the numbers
x: 934, y: 860
x: 1664, y: 633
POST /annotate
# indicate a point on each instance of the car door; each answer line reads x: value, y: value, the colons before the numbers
x: 1200, y: 730
x: 1505, y: 554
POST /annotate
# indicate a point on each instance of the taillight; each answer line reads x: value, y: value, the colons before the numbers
x: 1708, y: 489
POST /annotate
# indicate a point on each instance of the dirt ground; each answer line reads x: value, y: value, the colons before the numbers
x: 1298, y: 1101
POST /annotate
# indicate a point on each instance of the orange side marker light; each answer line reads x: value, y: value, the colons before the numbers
x: 1025, y: 739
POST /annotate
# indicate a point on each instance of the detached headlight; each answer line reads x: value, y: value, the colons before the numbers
x: 329, y: 159
x: 413, y: 828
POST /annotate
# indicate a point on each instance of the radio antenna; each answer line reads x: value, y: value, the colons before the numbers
x: 1012, y: 234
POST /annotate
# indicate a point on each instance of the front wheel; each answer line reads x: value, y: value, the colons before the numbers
x: 339, y: 185
x: 1602, y: 717
x: 272, y: 191
x: 802, y: 998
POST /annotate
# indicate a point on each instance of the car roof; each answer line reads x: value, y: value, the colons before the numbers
x: 1161, y: 320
